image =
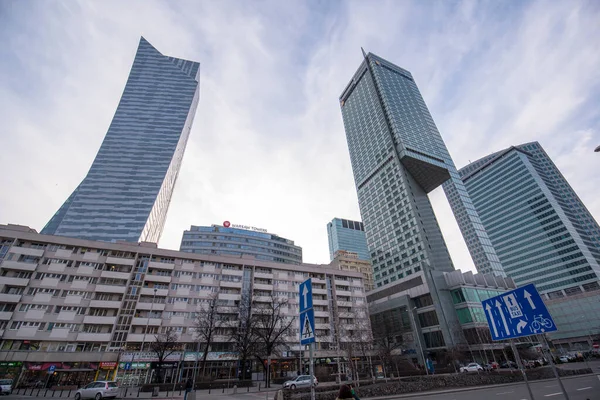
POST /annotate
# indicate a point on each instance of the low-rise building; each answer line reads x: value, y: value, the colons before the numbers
x: 92, y: 309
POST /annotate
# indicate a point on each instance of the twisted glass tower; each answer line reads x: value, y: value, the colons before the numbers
x: 126, y: 193
x: 398, y: 157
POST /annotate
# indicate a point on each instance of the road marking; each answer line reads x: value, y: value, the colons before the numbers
x: 552, y: 394
x: 585, y: 388
x: 498, y: 394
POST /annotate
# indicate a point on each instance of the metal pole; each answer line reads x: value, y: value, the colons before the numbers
x: 562, y: 388
x: 312, y: 372
x: 520, y: 365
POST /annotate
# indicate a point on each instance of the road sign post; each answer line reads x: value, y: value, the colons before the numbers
x: 517, y: 313
x: 307, y: 327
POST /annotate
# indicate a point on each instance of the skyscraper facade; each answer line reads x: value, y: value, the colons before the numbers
x: 540, y: 229
x: 233, y: 240
x: 126, y: 193
x: 398, y: 157
x: 347, y: 235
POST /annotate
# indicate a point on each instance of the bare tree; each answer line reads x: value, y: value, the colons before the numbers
x: 243, y: 335
x: 356, y: 339
x: 164, y: 345
x: 205, y: 327
x: 270, y: 327
x: 386, y: 341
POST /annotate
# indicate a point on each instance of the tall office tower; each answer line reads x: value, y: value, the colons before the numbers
x: 398, y: 156
x: 541, y: 230
x: 347, y: 235
x: 127, y: 191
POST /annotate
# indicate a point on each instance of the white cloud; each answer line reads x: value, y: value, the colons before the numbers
x: 268, y: 146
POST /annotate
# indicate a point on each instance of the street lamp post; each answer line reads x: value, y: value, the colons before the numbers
x: 411, y: 313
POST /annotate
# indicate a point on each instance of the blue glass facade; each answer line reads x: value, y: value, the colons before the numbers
x: 540, y: 229
x: 126, y: 193
x: 344, y: 234
x: 220, y: 240
x: 398, y: 156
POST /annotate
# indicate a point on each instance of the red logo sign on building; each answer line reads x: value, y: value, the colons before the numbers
x: 226, y: 224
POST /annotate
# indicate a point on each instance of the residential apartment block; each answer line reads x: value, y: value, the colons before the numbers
x: 83, y: 305
x: 351, y: 261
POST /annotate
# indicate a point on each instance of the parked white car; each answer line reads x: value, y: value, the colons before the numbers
x: 6, y: 386
x: 472, y: 367
x: 98, y: 390
x: 300, y: 381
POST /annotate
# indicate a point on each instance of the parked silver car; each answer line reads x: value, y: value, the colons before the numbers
x: 472, y: 367
x: 98, y: 390
x: 300, y: 381
x: 6, y: 386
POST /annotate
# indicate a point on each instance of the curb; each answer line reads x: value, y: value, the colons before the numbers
x: 458, y: 390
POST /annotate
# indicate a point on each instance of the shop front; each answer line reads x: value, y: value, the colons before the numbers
x: 10, y: 370
x: 106, y: 371
x: 49, y: 375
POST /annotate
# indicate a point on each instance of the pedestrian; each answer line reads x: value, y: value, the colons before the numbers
x: 354, y: 395
x: 189, y: 385
x: 345, y: 393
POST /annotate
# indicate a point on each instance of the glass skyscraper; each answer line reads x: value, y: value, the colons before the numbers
x: 398, y: 156
x: 347, y: 235
x: 126, y: 193
x: 540, y: 229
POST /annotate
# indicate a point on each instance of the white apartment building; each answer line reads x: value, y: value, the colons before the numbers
x: 87, y: 307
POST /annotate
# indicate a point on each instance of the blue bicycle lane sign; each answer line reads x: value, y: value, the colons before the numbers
x: 519, y: 312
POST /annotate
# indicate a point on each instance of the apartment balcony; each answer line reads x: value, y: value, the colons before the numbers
x: 263, y: 275
x: 234, y: 285
x: 26, y: 332
x: 89, y: 319
x: 262, y: 299
x: 27, y: 251
x: 10, y: 298
x: 91, y: 256
x: 56, y: 267
x: 182, y: 292
x: 319, y: 291
x: 5, y: 280
x: 262, y: 286
x: 110, y: 289
x: 115, y: 275
x: 157, y: 278
x: 63, y: 253
x: 159, y: 265
x: 73, y: 300
x: 41, y: 298
x: 318, y: 302
x: 150, y: 292
x: 323, y: 326
x: 67, y: 316
x: 120, y: 261
x: 341, y: 282
x: 140, y: 337
x: 341, y: 303
x: 20, y: 266
x: 183, y: 279
x: 105, y: 304
x: 35, y: 315
x: 49, y: 282
x: 79, y: 284
x: 150, y: 306
x: 146, y: 321
x: 317, y: 280
x: 343, y: 293
x: 321, y: 313
x: 234, y: 272
x: 5, y: 315
x: 357, y: 283
x: 230, y: 296
x: 180, y: 306
x: 346, y: 315
x: 62, y: 333
x: 84, y: 270
x: 93, y: 337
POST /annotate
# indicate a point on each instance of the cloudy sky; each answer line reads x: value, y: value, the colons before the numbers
x: 268, y: 146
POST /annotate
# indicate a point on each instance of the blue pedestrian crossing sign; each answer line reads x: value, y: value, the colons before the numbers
x: 307, y: 327
x: 307, y: 314
x: 306, y: 301
x: 520, y: 312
